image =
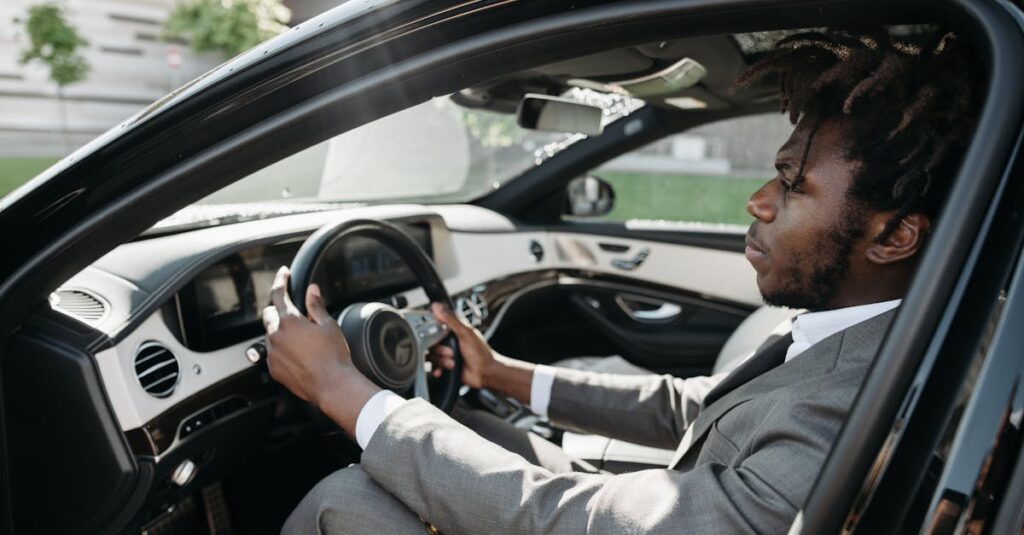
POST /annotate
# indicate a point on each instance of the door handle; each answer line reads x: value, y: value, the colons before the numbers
x: 629, y: 264
x: 664, y: 312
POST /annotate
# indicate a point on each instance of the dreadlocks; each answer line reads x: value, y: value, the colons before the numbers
x: 908, y: 110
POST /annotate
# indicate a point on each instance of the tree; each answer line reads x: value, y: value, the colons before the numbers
x: 230, y: 26
x: 54, y: 43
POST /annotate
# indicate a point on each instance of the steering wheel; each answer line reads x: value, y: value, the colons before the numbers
x: 388, y: 345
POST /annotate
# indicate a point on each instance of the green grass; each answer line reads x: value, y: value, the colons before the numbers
x: 16, y: 171
x: 707, y: 199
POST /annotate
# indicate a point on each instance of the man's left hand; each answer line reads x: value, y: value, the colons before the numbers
x: 310, y: 357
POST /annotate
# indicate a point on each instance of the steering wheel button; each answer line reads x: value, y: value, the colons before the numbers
x: 256, y: 352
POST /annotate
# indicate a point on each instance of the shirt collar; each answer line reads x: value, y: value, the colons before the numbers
x: 813, y: 327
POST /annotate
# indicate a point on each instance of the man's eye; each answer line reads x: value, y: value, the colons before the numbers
x: 789, y: 186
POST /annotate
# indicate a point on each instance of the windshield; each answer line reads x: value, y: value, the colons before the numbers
x: 435, y: 152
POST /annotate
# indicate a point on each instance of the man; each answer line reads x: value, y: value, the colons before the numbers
x: 879, y: 130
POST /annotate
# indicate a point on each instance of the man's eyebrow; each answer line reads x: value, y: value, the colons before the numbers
x: 785, y: 160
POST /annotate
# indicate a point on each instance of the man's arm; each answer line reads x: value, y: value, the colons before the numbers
x: 651, y: 410
x: 311, y: 358
x: 462, y: 483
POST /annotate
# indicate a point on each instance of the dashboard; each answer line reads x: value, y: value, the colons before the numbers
x: 198, y: 295
x: 178, y: 314
x: 221, y: 306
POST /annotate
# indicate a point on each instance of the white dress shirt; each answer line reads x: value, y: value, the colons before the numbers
x: 812, y: 327
x: 808, y: 329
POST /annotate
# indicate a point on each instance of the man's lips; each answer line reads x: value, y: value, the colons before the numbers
x: 754, y: 252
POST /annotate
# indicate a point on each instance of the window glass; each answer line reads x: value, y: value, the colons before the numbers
x: 435, y: 152
x: 704, y: 175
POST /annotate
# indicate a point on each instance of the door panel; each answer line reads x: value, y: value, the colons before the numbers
x: 665, y: 305
x: 722, y: 276
x: 593, y: 314
x: 684, y: 341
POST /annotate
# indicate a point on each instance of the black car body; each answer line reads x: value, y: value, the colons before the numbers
x: 933, y: 441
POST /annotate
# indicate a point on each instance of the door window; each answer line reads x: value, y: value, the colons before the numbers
x: 701, y: 176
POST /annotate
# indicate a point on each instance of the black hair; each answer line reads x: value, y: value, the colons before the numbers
x: 907, y: 109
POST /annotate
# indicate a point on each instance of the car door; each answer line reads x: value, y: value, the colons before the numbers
x: 663, y: 238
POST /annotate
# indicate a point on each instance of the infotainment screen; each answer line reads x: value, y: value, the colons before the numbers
x: 223, y: 304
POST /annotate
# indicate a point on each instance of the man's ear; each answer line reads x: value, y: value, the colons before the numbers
x: 905, y: 240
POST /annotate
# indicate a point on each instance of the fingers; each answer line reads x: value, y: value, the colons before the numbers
x: 279, y: 292
x: 445, y: 315
x: 443, y: 358
x: 271, y: 319
x: 315, y: 306
x: 442, y: 352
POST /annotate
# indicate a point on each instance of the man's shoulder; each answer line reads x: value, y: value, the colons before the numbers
x: 861, y: 342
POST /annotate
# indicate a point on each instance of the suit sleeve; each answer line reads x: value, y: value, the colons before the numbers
x: 651, y: 410
x: 462, y: 483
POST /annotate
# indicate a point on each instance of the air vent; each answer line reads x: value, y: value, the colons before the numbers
x: 78, y: 304
x: 473, y: 308
x: 157, y: 369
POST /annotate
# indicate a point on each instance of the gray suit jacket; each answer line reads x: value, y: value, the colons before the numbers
x: 755, y: 443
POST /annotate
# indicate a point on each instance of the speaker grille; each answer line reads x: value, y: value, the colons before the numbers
x: 79, y: 304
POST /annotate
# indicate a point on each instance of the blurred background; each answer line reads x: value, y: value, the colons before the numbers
x: 71, y: 69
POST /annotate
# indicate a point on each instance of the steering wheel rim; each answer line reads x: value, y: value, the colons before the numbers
x: 445, y: 391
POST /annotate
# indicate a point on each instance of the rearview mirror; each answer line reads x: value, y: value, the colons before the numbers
x: 589, y: 196
x: 556, y: 114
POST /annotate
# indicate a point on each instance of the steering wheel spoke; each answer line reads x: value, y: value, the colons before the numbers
x: 420, y: 388
x: 428, y: 330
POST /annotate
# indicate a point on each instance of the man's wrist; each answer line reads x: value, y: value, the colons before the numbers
x: 510, y: 377
x: 491, y: 374
x: 346, y: 397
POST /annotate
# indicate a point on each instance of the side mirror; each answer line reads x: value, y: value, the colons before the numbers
x: 556, y: 114
x: 589, y: 196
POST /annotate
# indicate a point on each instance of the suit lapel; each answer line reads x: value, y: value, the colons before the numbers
x: 813, y: 362
x: 856, y: 344
x: 771, y: 354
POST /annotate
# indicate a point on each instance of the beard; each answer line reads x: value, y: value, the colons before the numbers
x: 818, y: 271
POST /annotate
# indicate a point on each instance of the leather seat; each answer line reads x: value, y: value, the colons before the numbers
x: 617, y: 456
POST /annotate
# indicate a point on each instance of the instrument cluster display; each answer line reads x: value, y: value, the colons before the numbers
x: 223, y: 304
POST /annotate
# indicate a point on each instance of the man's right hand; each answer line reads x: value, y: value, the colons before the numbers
x: 478, y: 359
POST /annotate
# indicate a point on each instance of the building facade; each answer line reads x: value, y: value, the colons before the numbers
x: 131, y: 67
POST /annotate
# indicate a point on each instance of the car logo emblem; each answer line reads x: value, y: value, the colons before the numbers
x: 403, y: 353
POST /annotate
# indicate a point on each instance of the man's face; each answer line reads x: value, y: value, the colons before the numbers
x: 806, y: 231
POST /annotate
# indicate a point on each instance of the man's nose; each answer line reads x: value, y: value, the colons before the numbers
x: 761, y: 205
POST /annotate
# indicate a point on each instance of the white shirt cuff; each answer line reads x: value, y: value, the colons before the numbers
x: 377, y: 408
x: 540, y: 389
